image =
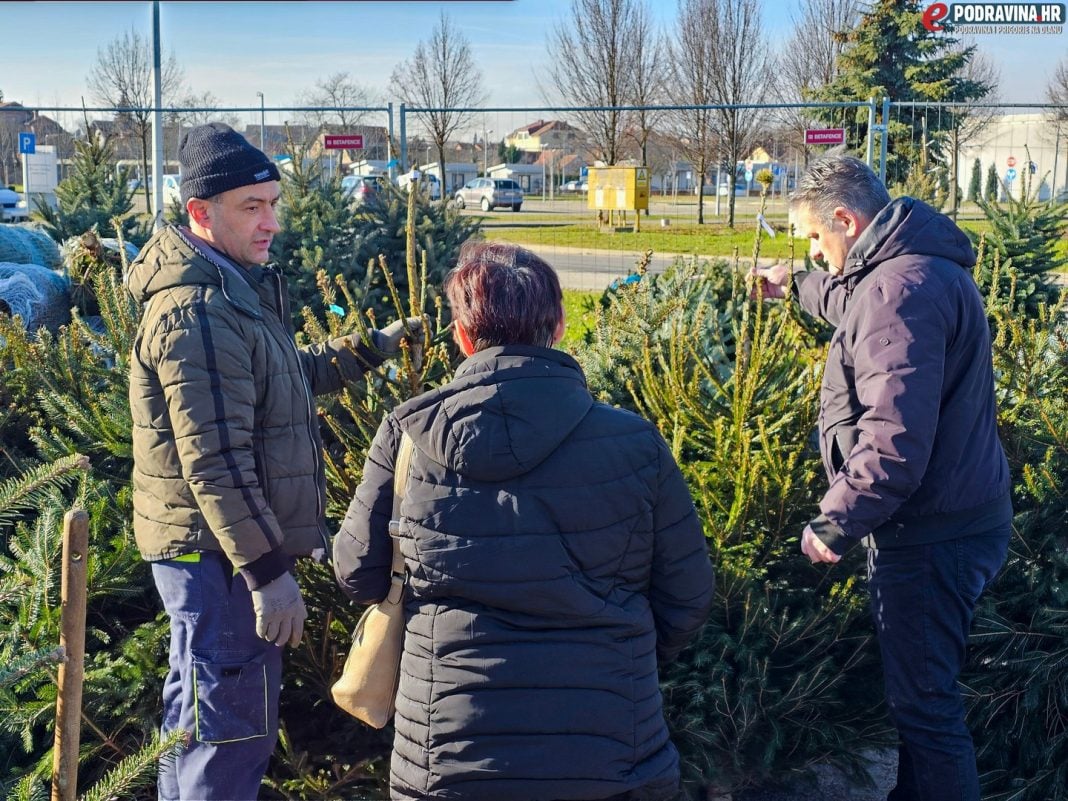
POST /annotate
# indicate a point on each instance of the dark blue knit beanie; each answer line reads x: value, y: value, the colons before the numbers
x: 215, y: 158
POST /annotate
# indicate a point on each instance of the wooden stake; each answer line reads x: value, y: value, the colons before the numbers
x: 72, y: 670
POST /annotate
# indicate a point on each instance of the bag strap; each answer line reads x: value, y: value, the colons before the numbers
x: 401, y: 472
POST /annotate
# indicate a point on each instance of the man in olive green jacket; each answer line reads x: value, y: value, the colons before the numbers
x: 228, y: 475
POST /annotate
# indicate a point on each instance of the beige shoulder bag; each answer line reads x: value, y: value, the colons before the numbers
x: 367, y: 689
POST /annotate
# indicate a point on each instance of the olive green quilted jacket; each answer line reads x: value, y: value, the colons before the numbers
x: 227, y: 455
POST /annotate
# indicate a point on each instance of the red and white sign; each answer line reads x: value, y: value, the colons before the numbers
x: 1011, y: 161
x: 343, y: 142
x: 825, y: 136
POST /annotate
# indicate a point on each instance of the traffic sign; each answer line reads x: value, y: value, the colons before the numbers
x: 825, y: 136
x: 1010, y: 174
x: 27, y: 143
x: 343, y: 142
x: 1011, y: 161
x: 748, y: 175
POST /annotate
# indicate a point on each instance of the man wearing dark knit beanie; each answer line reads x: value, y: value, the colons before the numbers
x: 228, y: 479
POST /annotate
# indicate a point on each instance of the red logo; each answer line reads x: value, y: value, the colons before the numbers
x: 934, y: 13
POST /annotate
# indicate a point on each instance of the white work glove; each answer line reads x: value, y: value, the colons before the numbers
x: 389, y: 338
x: 280, y: 612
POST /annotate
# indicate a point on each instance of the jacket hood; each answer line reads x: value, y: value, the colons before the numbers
x: 506, y: 410
x: 907, y: 226
x: 168, y: 260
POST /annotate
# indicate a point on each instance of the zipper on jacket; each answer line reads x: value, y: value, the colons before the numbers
x: 319, y: 504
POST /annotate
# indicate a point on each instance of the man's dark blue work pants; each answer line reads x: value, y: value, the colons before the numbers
x: 923, y: 599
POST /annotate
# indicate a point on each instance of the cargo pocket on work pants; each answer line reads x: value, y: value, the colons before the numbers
x: 230, y: 698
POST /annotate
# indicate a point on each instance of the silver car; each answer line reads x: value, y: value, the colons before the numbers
x: 490, y: 193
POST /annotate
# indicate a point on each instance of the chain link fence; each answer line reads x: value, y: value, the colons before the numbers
x: 698, y: 180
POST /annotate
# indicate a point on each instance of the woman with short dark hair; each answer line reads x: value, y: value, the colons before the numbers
x: 554, y: 560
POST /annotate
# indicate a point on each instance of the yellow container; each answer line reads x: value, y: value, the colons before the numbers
x: 618, y: 188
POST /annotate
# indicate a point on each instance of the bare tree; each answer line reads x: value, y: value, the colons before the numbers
x: 970, y: 120
x: 341, y: 100
x: 122, y: 78
x: 691, y: 64
x: 809, y: 59
x: 648, y: 80
x: 592, y: 55
x: 741, y: 72
x: 1057, y: 95
x: 1057, y: 89
x: 442, y: 75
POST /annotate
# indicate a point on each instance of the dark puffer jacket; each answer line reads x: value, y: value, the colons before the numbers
x: 226, y: 444
x: 554, y: 557
x: 908, y: 425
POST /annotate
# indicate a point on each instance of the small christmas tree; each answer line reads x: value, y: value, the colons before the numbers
x: 93, y: 197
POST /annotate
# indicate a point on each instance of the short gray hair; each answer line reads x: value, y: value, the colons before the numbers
x: 840, y: 181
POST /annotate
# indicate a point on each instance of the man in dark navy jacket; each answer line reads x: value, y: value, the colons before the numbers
x: 908, y: 436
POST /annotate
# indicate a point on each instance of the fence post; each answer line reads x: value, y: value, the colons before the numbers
x: 871, y: 129
x: 404, y: 140
x: 72, y: 670
x: 886, y: 136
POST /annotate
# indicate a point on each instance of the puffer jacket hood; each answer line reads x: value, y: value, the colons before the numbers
x: 169, y: 260
x: 908, y: 227
x: 553, y: 559
x: 505, y: 412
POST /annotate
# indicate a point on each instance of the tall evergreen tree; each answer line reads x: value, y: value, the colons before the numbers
x: 992, y: 184
x: 891, y: 54
x: 975, y: 186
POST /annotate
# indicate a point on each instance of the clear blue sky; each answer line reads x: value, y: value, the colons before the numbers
x: 235, y: 49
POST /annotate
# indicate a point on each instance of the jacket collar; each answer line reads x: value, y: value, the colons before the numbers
x: 235, y: 284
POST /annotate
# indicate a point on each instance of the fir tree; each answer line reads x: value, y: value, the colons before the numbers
x: 891, y: 54
x: 976, y: 183
x: 317, y: 230
x: 1021, y: 251
x: 993, y: 184
x: 93, y: 197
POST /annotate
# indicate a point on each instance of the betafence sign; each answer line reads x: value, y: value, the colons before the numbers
x: 825, y: 136
x: 343, y: 142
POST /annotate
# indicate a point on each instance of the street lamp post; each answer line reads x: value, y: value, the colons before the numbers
x: 485, y: 150
x: 262, y: 123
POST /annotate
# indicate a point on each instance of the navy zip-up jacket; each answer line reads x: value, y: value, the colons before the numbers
x: 908, y: 425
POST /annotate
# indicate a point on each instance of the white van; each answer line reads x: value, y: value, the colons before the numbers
x: 428, y: 179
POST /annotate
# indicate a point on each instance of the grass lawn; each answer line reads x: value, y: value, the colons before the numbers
x: 580, y: 316
x: 707, y: 240
x: 686, y: 237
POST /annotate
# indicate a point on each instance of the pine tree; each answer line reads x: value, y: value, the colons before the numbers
x: 891, y: 54
x: 737, y: 405
x: 1021, y: 250
x: 976, y: 183
x: 92, y: 197
x: 317, y: 230
x: 993, y: 184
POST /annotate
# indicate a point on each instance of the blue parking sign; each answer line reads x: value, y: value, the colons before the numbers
x: 27, y: 143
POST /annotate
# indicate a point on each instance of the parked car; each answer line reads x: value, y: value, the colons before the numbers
x: 490, y: 193
x: 576, y: 186
x: 361, y: 188
x: 429, y: 180
x: 12, y: 207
